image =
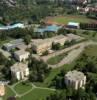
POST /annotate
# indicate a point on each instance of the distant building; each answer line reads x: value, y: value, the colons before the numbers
x: 77, y: 2
x: 17, y: 25
x: 12, y: 44
x: 21, y: 55
x: 19, y: 71
x: 42, y: 45
x: 2, y: 89
x: 73, y: 25
x: 49, y: 28
x: 83, y: 10
x: 75, y: 79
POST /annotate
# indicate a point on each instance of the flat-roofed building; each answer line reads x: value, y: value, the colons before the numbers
x: 75, y: 79
x: 19, y: 71
x: 21, y: 55
x: 74, y: 37
x: 60, y: 39
x: 2, y: 89
x: 41, y: 45
x: 12, y: 44
x: 74, y: 25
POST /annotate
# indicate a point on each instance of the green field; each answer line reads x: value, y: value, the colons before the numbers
x: 70, y: 18
x: 91, y: 51
x: 56, y: 59
x: 21, y: 88
x: 37, y: 94
x: 9, y: 93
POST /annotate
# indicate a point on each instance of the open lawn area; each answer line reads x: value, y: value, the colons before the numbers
x: 91, y: 51
x: 69, y: 18
x: 9, y: 93
x: 56, y: 59
x: 88, y: 34
x: 22, y: 87
x: 36, y: 94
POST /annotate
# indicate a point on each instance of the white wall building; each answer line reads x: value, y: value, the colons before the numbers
x: 21, y: 55
x: 19, y: 71
x: 75, y: 79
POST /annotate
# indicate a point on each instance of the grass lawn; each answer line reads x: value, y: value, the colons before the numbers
x: 22, y: 88
x: 87, y: 36
x: 36, y: 94
x: 91, y: 51
x: 9, y: 93
x: 71, y: 18
x: 52, y: 75
x: 56, y: 59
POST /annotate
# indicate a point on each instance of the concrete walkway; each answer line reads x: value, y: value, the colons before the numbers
x: 27, y: 92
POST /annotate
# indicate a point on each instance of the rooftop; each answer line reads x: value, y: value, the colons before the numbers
x: 75, y: 75
x: 20, y: 52
x: 14, y: 42
x: 17, y: 25
x: 73, y: 23
x: 18, y: 67
x: 50, y: 28
x: 74, y: 37
x: 48, y: 40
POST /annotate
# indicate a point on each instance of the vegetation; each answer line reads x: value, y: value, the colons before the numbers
x: 38, y: 70
x: 5, y: 67
x: 9, y: 93
x: 70, y: 94
x: 37, y: 94
x: 23, y: 87
x: 56, y: 59
x: 68, y: 18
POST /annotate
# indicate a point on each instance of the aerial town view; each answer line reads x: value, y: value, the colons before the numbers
x: 48, y: 49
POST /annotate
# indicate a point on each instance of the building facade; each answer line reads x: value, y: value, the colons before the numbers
x: 19, y: 71
x: 75, y: 79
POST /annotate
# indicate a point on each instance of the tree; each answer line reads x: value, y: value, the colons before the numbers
x: 56, y: 46
x: 3, y: 59
x: 39, y: 70
x: 27, y: 39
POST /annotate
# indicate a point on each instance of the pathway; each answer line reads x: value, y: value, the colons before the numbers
x: 73, y: 54
x: 33, y: 87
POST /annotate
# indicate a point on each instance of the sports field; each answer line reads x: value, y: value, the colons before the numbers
x: 68, y: 18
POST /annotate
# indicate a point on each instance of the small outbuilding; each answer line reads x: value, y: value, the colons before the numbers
x: 74, y: 25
